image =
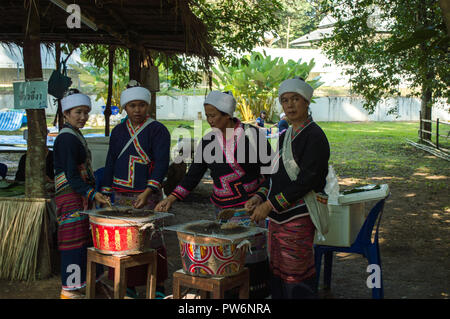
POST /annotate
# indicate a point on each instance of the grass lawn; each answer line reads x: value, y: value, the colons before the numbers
x: 365, y: 150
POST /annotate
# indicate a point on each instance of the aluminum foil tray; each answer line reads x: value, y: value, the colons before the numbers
x: 102, y: 212
x: 250, y: 231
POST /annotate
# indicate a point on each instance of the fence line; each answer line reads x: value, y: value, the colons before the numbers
x: 422, y: 131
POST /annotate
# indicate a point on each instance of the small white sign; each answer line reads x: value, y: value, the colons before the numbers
x: 30, y: 94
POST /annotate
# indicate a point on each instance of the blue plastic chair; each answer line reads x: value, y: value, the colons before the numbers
x: 363, y: 245
x: 3, y: 170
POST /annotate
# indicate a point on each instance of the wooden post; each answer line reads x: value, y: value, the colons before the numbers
x: 152, y: 111
x: 134, y: 65
x: 37, y: 126
x: 437, y: 133
x: 107, y: 111
x: 59, y: 117
x: 420, y: 125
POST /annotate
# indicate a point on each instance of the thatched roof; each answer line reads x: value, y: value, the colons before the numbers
x: 166, y: 26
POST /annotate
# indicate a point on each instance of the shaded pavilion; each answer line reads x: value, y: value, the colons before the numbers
x: 142, y: 26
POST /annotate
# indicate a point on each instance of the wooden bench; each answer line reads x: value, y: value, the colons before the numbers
x: 215, y: 285
x: 120, y: 264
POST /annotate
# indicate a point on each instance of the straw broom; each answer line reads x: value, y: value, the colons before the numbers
x: 20, y: 230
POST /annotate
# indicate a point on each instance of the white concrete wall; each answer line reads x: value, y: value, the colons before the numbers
x: 336, y: 109
x: 181, y: 107
x: 324, y: 109
x: 7, y: 102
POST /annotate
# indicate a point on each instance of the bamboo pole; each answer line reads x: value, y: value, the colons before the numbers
x: 431, y: 150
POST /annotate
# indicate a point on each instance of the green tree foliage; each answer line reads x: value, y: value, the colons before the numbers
x: 233, y: 27
x: 94, y: 73
x: 389, y: 43
x: 298, y: 17
x: 255, y: 80
x: 237, y: 26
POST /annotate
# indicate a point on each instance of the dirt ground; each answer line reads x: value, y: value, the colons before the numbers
x: 414, y: 244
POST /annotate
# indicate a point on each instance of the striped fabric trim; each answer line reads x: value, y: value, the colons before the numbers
x: 71, y: 288
x: 90, y: 194
x: 263, y: 191
x: 131, y: 170
x: 297, y: 131
x: 290, y: 246
x: 153, y: 183
x: 180, y: 192
x: 282, y: 201
x: 106, y: 190
x: 61, y: 182
x: 73, y: 227
x: 290, y: 207
x: 71, y: 217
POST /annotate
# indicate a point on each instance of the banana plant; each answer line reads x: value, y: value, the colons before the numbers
x: 255, y: 79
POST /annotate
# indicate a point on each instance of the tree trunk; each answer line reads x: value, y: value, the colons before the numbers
x: 288, y: 30
x: 37, y: 126
x: 445, y: 7
x: 107, y: 111
x: 427, y: 73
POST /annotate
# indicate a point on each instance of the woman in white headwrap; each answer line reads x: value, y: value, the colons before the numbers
x: 302, y: 167
x: 283, y: 124
x: 232, y: 154
x: 136, y: 164
x: 74, y: 192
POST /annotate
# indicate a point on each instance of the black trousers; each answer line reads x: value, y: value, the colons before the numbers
x: 303, y: 290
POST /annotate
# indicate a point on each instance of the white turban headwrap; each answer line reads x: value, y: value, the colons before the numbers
x: 137, y: 93
x: 296, y: 85
x: 224, y: 102
x: 74, y: 100
x: 282, y: 115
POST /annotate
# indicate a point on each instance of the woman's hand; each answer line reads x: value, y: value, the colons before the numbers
x: 142, y: 199
x: 251, y: 204
x: 102, y: 200
x: 165, y: 204
x: 261, y: 212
